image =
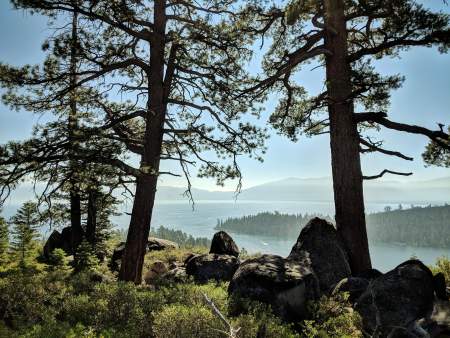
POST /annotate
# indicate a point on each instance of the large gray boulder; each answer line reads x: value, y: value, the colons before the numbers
x: 158, y: 244
x: 285, y: 284
x: 329, y: 260
x: 211, y: 267
x: 397, y: 299
x: 223, y: 244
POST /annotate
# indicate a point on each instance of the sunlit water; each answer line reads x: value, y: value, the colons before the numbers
x: 201, y: 220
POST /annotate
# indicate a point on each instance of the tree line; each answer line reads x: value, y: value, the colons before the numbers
x: 417, y: 226
x: 168, y: 81
x: 267, y: 224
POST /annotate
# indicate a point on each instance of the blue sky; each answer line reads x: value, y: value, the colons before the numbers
x: 424, y: 99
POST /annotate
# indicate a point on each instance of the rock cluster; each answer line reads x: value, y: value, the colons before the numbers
x: 407, y: 301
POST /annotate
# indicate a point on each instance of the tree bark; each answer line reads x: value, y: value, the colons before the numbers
x: 344, y: 141
x: 91, y: 223
x: 75, y: 199
x: 136, y: 244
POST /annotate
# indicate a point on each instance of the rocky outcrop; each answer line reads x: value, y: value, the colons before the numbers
x: 211, y: 267
x: 52, y: 243
x: 155, y: 271
x: 223, y: 244
x: 397, y: 299
x: 154, y: 244
x: 59, y: 240
x: 158, y: 244
x: 328, y: 258
x: 355, y: 286
x: 285, y: 284
x: 116, y: 257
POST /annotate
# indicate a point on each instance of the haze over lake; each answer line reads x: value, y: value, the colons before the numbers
x: 201, y: 221
x: 292, y: 196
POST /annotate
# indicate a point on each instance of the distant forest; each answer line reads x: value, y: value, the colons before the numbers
x: 267, y: 224
x: 419, y: 226
x: 180, y: 237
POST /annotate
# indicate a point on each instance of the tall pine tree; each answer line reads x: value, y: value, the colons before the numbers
x: 175, y: 65
x: 343, y: 38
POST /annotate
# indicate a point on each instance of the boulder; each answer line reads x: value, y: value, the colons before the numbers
x: 369, y: 274
x: 283, y: 283
x: 329, y: 260
x: 61, y: 240
x: 223, y: 244
x: 155, y: 271
x: 440, y: 286
x: 212, y: 266
x: 397, y: 299
x: 116, y: 257
x: 177, y: 274
x: 158, y: 244
x: 53, y: 242
x: 355, y: 286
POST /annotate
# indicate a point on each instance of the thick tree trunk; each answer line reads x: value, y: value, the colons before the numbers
x: 75, y: 199
x: 344, y: 140
x: 91, y: 223
x: 136, y: 245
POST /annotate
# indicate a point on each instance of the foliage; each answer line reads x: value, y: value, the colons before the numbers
x: 4, y: 242
x: 180, y: 237
x: 25, y: 232
x: 421, y: 226
x: 268, y: 224
x: 85, y: 257
x: 435, y: 154
x: 333, y: 317
x: 184, y: 321
x: 442, y: 265
x: 56, y: 302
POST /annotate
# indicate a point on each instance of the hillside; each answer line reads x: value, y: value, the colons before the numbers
x: 427, y: 226
x: 320, y: 190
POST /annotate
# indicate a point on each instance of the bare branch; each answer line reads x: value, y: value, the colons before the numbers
x: 386, y: 171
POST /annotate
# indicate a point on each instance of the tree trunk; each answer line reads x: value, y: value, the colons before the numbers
x: 344, y: 140
x: 75, y: 199
x: 136, y: 245
x: 91, y: 223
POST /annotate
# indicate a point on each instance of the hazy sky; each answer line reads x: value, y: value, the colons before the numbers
x: 424, y: 99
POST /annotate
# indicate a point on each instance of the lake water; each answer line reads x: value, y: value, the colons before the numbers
x: 200, y: 222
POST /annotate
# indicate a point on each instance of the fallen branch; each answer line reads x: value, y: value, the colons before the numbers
x: 232, y: 332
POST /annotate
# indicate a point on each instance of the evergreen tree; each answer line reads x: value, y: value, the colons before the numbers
x: 177, y: 63
x: 25, y: 224
x: 4, y: 241
x: 435, y: 154
x: 344, y: 37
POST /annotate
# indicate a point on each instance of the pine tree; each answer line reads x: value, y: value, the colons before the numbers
x: 4, y: 241
x: 178, y: 62
x: 25, y: 225
x: 343, y: 38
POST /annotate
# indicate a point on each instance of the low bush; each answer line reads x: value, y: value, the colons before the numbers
x: 333, y: 317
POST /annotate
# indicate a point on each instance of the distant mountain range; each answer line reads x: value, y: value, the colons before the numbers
x: 320, y: 190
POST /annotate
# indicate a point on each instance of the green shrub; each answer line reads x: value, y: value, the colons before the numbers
x: 442, y: 265
x: 333, y: 317
x: 261, y: 320
x: 29, y: 299
x: 182, y: 321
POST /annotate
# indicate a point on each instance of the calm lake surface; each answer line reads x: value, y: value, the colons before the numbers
x: 200, y: 222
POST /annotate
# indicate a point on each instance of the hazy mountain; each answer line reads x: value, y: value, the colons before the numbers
x: 320, y: 189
